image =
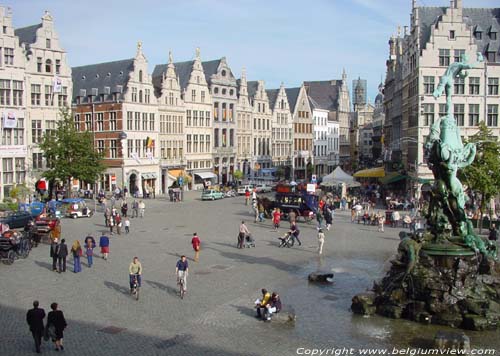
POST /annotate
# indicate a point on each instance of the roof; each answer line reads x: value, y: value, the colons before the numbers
x: 182, y: 69
x: 109, y: 74
x: 476, y: 18
x: 324, y: 94
x: 27, y: 34
x: 292, y: 95
x: 210, y: 68
x: 252, y: 88
x: 272, y: 95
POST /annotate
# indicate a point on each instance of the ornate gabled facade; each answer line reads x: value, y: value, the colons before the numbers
x: 13, y: 107
x: 172, y: 112
x: 35, y: 86
x: 282, y: 129
x: 116, y: 102
x: 223, y: 88
x: 262, y: 126
x: 439, y: 36
x: 198, y: 125
x: 244, y: 132
x: 303, y: 159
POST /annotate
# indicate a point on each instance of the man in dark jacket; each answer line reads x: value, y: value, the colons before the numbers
x: 35, y: 317
x: 53, y: 253
x: 62, y: 253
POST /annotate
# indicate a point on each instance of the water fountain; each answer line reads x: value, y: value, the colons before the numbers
x: 446, y: 274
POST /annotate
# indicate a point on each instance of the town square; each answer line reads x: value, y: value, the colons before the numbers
x: 214, y: 179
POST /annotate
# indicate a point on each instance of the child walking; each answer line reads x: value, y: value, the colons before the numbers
x: 126, y: 222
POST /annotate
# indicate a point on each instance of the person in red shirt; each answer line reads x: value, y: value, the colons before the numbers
x: 276, y: 218
x: 195, y: 241
x: 247, y: 196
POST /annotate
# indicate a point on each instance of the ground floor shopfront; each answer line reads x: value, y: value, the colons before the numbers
x: 139, y: 180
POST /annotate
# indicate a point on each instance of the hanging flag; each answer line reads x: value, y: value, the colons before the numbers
x: 57, y: 87
x: 149, y: 142
x: 9, y: 120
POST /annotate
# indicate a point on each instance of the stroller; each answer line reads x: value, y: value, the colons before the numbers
x: 286, y: 240
x: 249, y: 241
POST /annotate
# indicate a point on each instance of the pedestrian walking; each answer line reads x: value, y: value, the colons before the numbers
x: 381, y: 221
x: 247, y: 196
x: 276, y: 218
x: 56, y: 322
x: 118, y: 223
x: 126, y: 223
x: 292, y: 217
x: 34, y: 318
x: 142, y: 208
x: 107, y: 215
x: 261, y: 212
x: 124, y: 208
x: 294, y: 231
x: 321, y: 241
x: 255, y: 210
x: 53, y: 253
x: 76, y: 251
x: 104, y: 245
x: 89, y: 250
x: 62, y: 253
x: 135, y: 209
x: 319, y: 218
x: 242, y: 234
x: 196, y: 243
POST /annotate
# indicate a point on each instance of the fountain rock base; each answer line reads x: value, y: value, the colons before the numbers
x: 460, y: 291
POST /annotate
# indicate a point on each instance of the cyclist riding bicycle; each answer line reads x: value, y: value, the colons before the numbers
x: 135, y: 269
x: 181, y: 271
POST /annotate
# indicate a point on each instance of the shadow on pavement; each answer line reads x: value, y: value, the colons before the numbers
x: 157, y: 285
x: 245, y: 310
x: 117, y: 287
x: 121, y: 342
x: 45, y: 265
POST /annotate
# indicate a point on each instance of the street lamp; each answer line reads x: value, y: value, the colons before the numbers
x: 123, y: 140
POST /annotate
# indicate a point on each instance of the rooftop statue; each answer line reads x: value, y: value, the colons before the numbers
x: 446, y: 154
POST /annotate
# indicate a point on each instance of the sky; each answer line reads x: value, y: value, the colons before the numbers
x: 277, y: 41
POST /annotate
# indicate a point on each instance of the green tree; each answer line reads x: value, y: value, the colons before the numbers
x: 483, y: 175
x: 280, y: 172
x: 20, y: 192
x: 237, y: 174
x: 70, y: 153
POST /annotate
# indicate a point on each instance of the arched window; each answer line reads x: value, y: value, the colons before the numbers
x: 48, y: 66
x: 171, y: 98
x: 140, y: 76
x: 140, y: 96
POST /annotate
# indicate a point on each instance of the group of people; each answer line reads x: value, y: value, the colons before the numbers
x: 113, y: 219
x: 59, y: 252
x: 54, y: 329
x: 267, y: 305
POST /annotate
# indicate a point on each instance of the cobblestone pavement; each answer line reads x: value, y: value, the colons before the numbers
x: 217, y: 316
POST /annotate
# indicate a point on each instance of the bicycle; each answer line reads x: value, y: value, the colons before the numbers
x: 181, y: 283
x: 135, y: 287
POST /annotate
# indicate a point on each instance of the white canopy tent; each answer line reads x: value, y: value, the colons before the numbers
x: 337, y: 177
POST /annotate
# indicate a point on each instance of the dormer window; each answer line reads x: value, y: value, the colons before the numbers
x: 493, y: 35
x: 479, y: 35
x: 223, y: 73
x: 47, y: 43
x: 140, y: 76
x: 48, y: 66
x: 452, y: 35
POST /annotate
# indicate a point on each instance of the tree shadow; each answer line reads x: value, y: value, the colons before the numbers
x: 117, y: 287
x: 44, y: 265
x: 163, y: 287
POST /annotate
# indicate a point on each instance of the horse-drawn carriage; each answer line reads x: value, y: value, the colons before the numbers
x: 14, y: 244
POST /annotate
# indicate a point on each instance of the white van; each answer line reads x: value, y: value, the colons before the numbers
x: 243, y: 188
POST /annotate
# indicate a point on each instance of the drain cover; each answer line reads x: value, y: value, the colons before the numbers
x: 221, y: 267
x: 112, y: 330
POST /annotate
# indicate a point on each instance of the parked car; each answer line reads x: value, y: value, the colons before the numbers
x: 263, y: 188
x: 16, y: 219
x: 243, y: 188
x: 210, y: 194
